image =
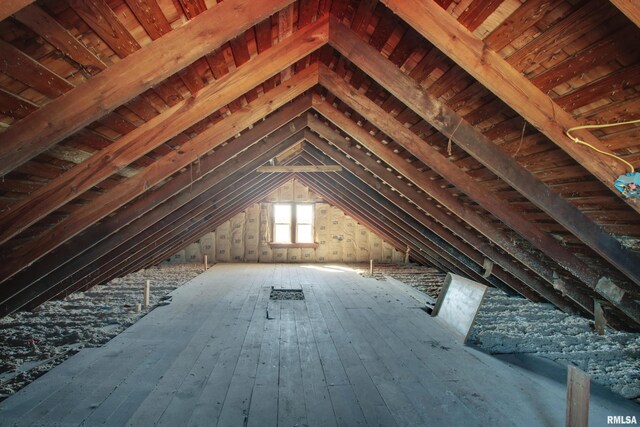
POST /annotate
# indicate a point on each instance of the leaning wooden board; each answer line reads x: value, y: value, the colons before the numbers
x: 458, y: 304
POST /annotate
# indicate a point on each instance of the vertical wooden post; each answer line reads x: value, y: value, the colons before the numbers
x: 146, y: 293
x: 406, y: 255
x: 598, y: 314
x: 371, y: 267
x: 206, y: 264
x: 578, y: 384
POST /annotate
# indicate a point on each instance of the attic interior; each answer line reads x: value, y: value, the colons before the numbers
x: 291, y: 142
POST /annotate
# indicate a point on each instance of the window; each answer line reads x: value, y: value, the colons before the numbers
x: 282, y: 223
x: 292, y: 223
x: 304, y: 223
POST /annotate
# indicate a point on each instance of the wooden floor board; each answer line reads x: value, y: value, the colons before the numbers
x: 355, y: 352
x: 291, y: 403
x: 316, y: 392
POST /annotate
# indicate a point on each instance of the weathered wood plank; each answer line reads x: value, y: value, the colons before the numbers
x: 406, y: 362
x: 49, y: 29
x: 27, y: 70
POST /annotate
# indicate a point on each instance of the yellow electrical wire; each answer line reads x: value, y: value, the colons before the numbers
x: 606, y: 125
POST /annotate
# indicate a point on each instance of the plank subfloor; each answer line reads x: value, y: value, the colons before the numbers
x: 356, y: 351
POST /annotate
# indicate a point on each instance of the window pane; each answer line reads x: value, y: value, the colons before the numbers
x: 282, y: 214
x: 304, y: 233
x: 304, y: 214
x: 282, y: 233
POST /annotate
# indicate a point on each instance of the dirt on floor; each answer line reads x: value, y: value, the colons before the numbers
x: 507, y: 325
x: 32, y: 342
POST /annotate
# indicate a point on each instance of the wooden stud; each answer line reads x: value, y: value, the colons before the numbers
x: 225, y: 176
x: 147, y: 290
x: 136, y: 252
x: 598, y: 315
x: 481, y: 224
x: 488, y: 267
x: 177, y: 239
x: 403, y: 225
x: 500, y: 208
x: 578, y: 385
x: 157, y: 203
x: 442, y: 166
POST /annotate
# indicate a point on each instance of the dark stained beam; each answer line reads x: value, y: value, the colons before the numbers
x: 613, y: 293
x: 346, y: 154
x: 411, y: 193
x: 454, y: 175
x: 369, y: 220
x: 526, y: 278
x: 171, y: 223
x: 223, y: 197
x: 194, y: 228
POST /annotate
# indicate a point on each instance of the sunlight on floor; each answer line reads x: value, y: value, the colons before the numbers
x: 330, y: 268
